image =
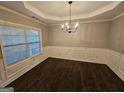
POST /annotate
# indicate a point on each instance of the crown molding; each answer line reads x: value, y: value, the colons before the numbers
x: 100, y: 20
x: 95, y: 21
x: 89, y: 21
x: 20, y: 14
x: 108, y: 7
x: 3, y: 22
x: 116, y: 17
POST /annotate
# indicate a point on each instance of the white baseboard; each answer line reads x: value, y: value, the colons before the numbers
x: 17, y: 75
x: 77, y: 59
x: 119, y: 73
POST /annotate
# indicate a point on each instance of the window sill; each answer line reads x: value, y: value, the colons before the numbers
x: 21, y: 62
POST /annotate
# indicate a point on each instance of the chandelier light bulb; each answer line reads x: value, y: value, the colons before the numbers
x: 66, y: 24
x: 76, y: 25
x: 62, y: 26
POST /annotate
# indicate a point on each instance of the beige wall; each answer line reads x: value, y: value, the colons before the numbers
x: 8, y: 16
x: 0, y: 53
x: 117, y: 35
x: 89, y: 35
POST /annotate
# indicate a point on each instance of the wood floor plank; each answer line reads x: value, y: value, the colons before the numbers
x: 67, y: 75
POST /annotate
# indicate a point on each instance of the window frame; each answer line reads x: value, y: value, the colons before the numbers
x: 16, y: 25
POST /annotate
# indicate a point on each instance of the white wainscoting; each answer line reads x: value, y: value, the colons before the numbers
x: 95, y: 55
x: 116, y: 63
x: 2, y: 71
x: 16, y: 71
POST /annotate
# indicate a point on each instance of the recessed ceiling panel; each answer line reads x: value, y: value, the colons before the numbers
x: 61, y: 8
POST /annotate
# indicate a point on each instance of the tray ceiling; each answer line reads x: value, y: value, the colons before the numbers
x: 58, y: 11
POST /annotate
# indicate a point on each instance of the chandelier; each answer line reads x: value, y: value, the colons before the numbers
x: 70, y: 27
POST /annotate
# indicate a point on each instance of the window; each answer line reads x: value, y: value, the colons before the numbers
x: 19, y: 44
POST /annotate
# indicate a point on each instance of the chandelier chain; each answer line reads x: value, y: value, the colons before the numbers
x: 70, y: 13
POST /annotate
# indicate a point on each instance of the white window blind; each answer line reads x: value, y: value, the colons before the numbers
x: 19, y: 44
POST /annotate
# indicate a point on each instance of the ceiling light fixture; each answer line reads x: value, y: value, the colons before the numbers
x: 70, y: 27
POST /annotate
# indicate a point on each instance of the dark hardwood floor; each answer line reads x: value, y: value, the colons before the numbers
x: 66, y: 75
